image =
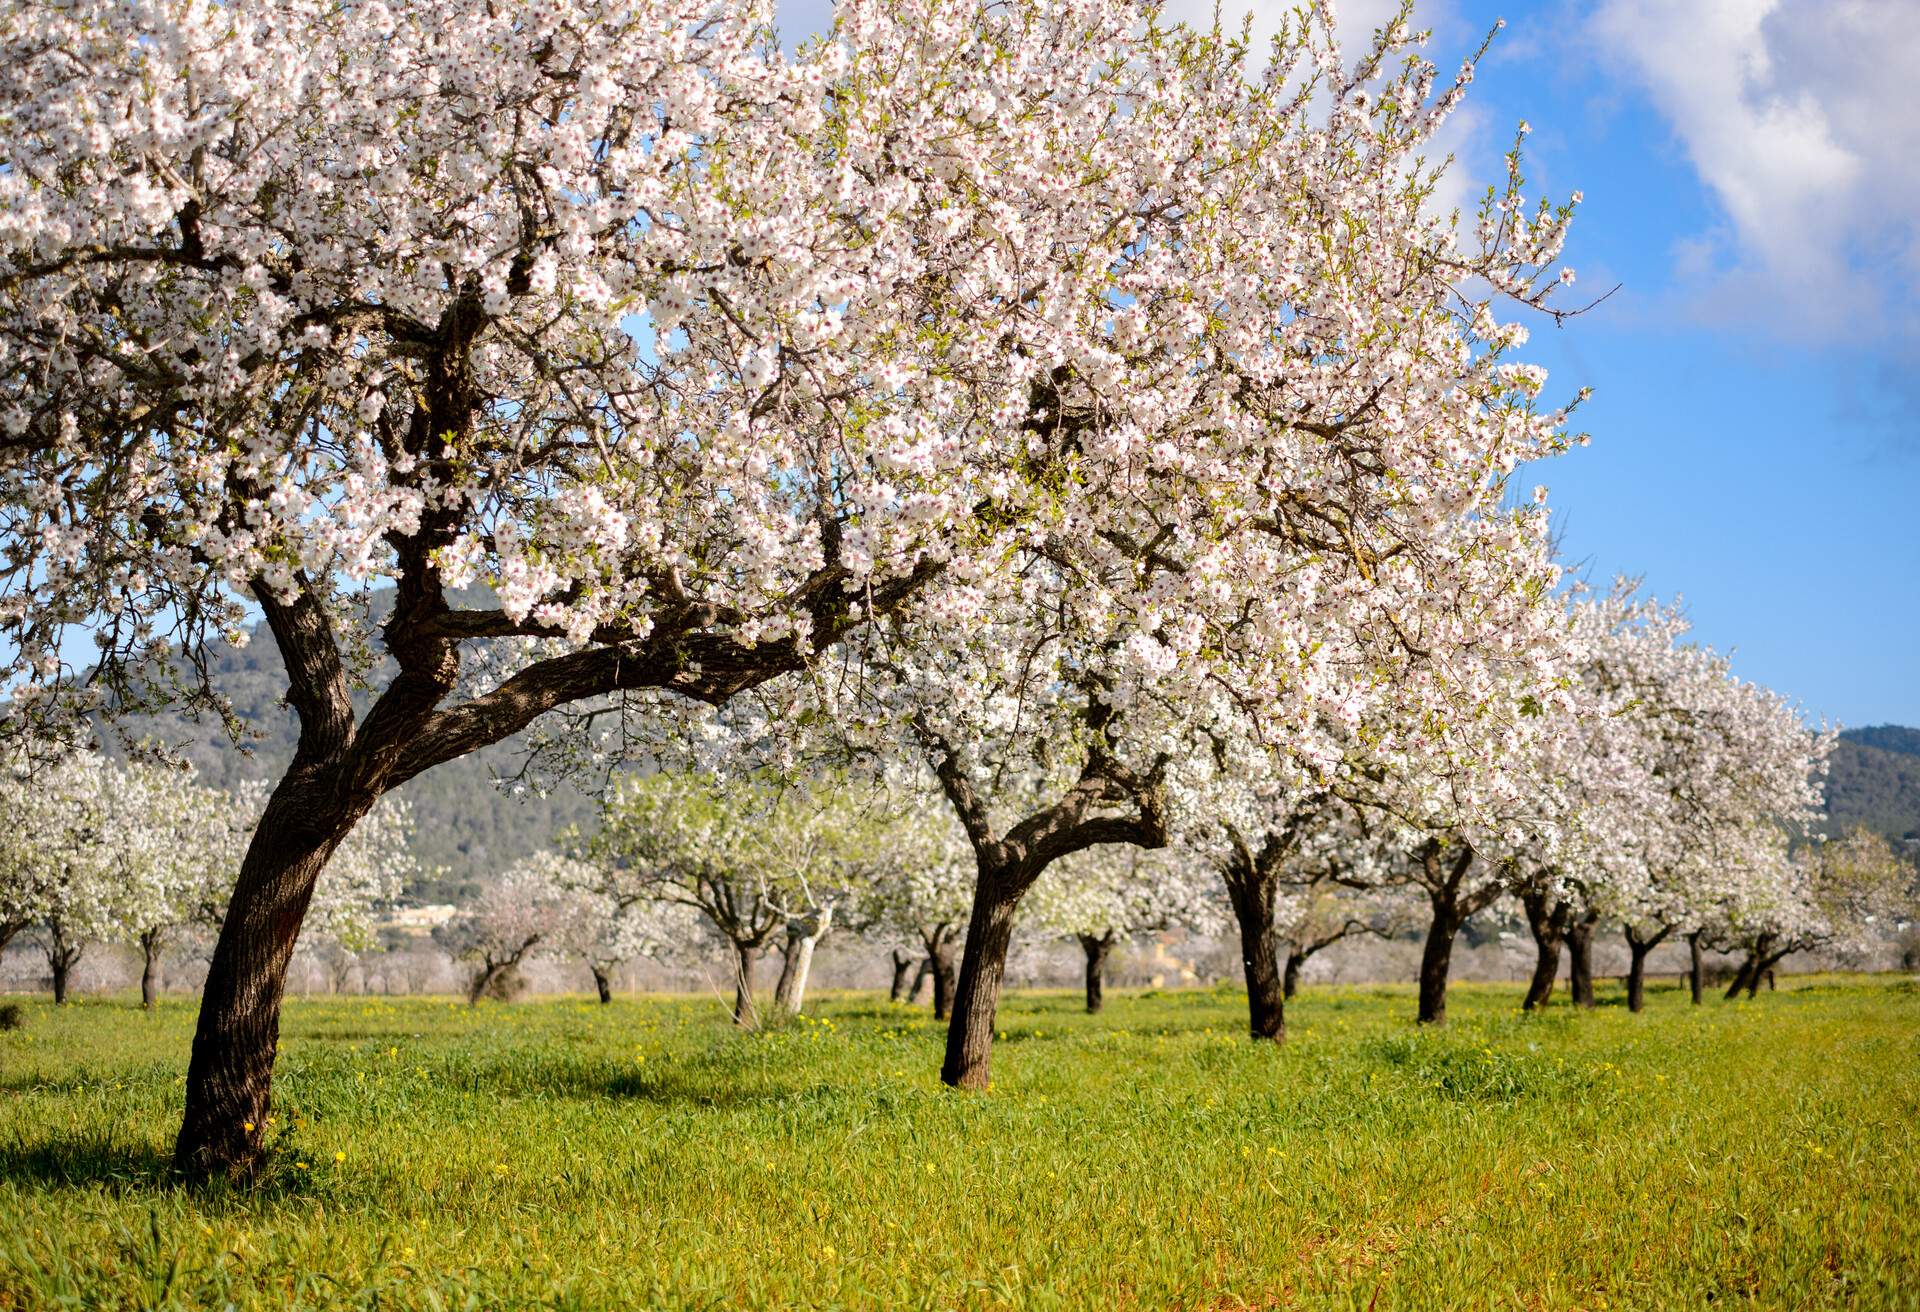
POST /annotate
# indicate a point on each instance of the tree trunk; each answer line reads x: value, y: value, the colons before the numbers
x: 1252, y: 899
x: 1749, y: 969
x: 603, y: 984
x: 1436, y: 960
x: 1637, y: 974
x: 1547, y: 919
x: 803, y: 935
x: 1096, y: 947
x: 1696, y: 967
x: 149, y: 970
x: 230, y: 1076
x: 945, y: 979
x: 976, y: 994
x: 743, y: 956
x: 902, y: 968
x: 1290, y: 981
x: 921, y: 977
x: 1580, y: 959
x: 483, y: 980
x: 63, y: 954
x: 1639, y: 948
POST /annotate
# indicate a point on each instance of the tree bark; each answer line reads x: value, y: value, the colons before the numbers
x: 1580, y: 958
x: 976, y: 995
x: 1696, y: 968
x: 902, y: 969
x: 230, y: 1076
x: 803, y: 935
x: 63, y: 954
x: 921, y: 978
x: 1639, y: 948
x: 1290, y: 982
x: 1547, y: 920
x: 1096, y: 947
x: 1749, y: 969
x: 945, y: 978
x: 1436, y: 960
x: 1251, y: 896
x: 602, y: 984
x: 743, y: 957
x: 149, y: 969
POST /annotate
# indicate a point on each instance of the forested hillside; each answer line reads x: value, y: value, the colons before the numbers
x: 1875, y: 781
x: 466, y: 827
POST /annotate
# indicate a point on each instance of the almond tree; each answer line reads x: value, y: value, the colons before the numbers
x: 522, y: 914
x: 1113, y: 894
x: 298, y: 301
x: 61, y: 884
x: 1827, y: 894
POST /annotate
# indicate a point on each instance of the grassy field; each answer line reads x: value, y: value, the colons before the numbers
x: 641, y: 1154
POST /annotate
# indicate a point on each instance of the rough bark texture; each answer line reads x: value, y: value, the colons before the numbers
x: 1696, y: 968
x: 976, y: 997
x: 602, y: 984
x: 1580, y: 958
x: 1096, y: 946
x: 230, y: 1075
x: 1547, y: 920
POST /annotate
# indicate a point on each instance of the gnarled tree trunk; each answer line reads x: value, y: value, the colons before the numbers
x: 63, y: 954
x: 1696, y: 968
x: 921, y: 978
x: 1290, y: 981
x: 1096, y: 946
x: 945, y: 973
x: 602, y: 983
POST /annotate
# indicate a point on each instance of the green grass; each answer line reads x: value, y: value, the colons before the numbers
x: 565, y: 1154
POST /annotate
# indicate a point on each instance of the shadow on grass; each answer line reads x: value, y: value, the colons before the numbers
x: 78, y: 1161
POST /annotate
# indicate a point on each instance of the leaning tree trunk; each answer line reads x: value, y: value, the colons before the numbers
x: 921, y: 977
x: 1580, y: 960
x: 1252, y: 899
x: 230, y: 1077
x: 902, y: 970
x: 976, y: 994
x: 149, y: 969
x: 1096, y: 946
x: 1696, y: 968
x: 1290, y: 980
x: 1436, y: 961
x: 803, y: 936
x: 603, y: 984
x: 1547, y: 920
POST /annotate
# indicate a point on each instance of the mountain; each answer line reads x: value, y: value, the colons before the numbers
x: 1875, y: 781
x: 466, y: 827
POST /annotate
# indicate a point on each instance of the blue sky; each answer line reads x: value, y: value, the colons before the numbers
x: 1751, y: 170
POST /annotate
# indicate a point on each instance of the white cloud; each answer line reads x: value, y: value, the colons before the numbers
x: 1803, y: 117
